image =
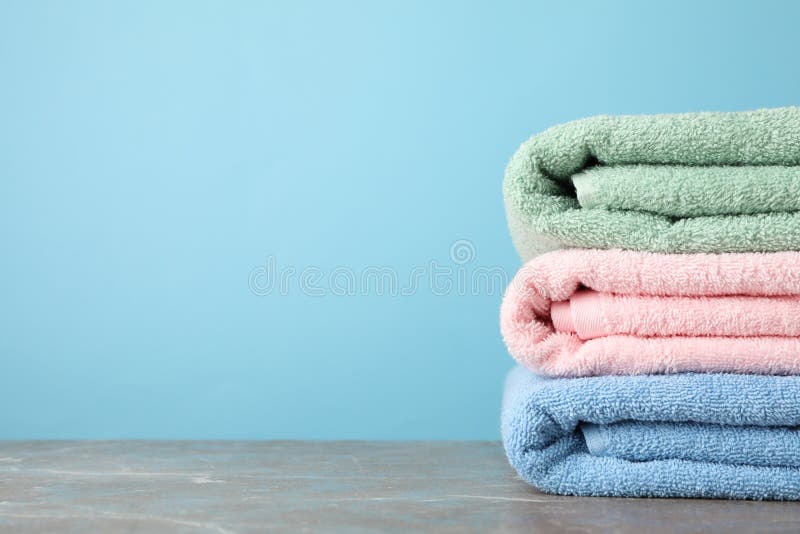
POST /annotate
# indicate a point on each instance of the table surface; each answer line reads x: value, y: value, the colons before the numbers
x: 231, y: 486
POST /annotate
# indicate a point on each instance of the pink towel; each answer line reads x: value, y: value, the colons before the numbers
x: 593, y: 312
x: 591, y: 315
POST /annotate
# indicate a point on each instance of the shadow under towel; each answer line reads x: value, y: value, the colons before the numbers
x: 689, y: 435
x: 694, y: 182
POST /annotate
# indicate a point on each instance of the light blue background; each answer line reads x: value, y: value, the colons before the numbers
x: 154, y: 153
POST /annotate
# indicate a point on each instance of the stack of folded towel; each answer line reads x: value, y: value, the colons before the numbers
x: 657, y: 319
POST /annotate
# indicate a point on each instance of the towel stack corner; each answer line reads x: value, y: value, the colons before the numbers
x: 656, y: 320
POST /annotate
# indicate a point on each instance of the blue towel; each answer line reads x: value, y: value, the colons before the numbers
x: 686, y: 435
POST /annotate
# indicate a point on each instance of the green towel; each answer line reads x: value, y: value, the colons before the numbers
x: 694, y: 182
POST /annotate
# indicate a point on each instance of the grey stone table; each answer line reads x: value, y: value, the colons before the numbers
x: 224, y: 487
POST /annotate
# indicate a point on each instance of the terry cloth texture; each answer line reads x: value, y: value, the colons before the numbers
x: 681, y: 191
x: 580, y: 312
x: 542, y: 419
x: 591, y: 314
x: 642, y: 442
x: 695, y: 182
